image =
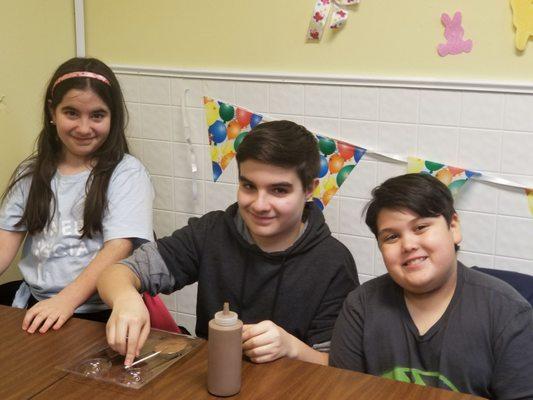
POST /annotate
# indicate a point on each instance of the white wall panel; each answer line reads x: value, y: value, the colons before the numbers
x: 485, y: 131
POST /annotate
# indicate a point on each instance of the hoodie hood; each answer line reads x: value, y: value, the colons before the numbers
x: 315, y: 232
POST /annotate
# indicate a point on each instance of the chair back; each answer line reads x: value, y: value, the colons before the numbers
x: 521, y: 282
x: 160, y: 317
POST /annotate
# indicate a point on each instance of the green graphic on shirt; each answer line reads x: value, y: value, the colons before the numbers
x: 419, y: 377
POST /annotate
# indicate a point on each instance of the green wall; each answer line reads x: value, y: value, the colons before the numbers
x: 36, y: 37
x: 381, y: 38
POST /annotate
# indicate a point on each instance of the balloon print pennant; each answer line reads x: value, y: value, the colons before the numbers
x: 227, y: 126
x: 454, y: 178
x: 337, y: 161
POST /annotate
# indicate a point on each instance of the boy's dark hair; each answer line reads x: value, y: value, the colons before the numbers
x: 283, y: 144
x: 421, y: 193
x: 42, y: 164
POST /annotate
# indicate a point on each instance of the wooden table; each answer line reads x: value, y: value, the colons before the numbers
x: 28, y: 370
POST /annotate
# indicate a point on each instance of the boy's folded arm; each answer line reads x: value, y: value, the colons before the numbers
x: 266, y: 341
x: 307, y: 353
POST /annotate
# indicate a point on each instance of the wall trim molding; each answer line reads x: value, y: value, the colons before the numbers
x: 326, y: 79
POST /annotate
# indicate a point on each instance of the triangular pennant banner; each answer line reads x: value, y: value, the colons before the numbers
x: 227, y: 126
x: 529, y: 194
x: 337, y: 160
x: 452, y: 177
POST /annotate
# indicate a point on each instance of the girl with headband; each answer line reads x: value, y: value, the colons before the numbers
x: 80, y: 202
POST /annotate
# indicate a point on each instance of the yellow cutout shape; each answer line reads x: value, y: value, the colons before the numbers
x: 523, y: 22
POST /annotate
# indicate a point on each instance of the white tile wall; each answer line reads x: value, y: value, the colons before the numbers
x: 253, y: 96
x: 361, y: 181
x: 327, y: 126
x: 134, y: 128
x: 491, y: 132
x: 286, y: 98
x: 479, y: 149
x: 155, y: 90
x: 362, y: 133
x: 479, y: 232
x: 156, y: 122
x: 157, y: 156
x: 197, y: 124
x: 182, y: 219
x: 518, y: 115
x: 322, y: 101
x: 440, y: 107
x: 163, y: 223
x: 164, y: 193
x: 219, y: 90
x: 359, y: 103
x: 136, y: 147
x: 398, y: 105
x: 517, y: 153
x: 398, y: 138
x: 482, y: 110
x: 480, y: 197
x: 512, y: 202
x: 438, y: 143
x: 332, y: 214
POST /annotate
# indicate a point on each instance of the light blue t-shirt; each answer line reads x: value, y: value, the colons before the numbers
x: 53, y: 258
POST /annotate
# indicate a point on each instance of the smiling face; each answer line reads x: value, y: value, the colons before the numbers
x: 419, y: 252
x: 83, y: 123
x: 271, y: 202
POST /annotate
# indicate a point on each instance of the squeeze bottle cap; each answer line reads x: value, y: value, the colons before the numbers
x: 226, y: 317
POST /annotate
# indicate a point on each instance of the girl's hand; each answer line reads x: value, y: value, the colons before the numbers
x: 53, y: 312
x: 266, y: 341
x: 128, y: 326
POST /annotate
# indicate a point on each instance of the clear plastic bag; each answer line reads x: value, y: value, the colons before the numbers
x: 104, y: 364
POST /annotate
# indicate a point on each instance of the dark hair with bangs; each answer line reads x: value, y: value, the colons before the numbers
x: 422, y: 194
x: 42, y: 164
x: 283, y: 144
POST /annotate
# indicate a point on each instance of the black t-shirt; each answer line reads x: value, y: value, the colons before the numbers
x: 482, y: 344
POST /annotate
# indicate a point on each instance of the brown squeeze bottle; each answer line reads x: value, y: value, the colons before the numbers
x: 225, y: 353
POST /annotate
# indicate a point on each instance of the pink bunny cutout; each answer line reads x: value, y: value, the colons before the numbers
x: 453, y: 31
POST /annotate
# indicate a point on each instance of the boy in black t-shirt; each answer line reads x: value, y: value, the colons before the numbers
x: 431, y: 320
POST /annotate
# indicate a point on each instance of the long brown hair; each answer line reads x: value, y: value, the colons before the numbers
x: 42, y: 164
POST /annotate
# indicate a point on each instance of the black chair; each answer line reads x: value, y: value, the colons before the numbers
x: 521, y: 282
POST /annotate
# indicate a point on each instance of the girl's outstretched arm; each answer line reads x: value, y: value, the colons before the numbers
x: 10, y: 242
x: 54, y: 312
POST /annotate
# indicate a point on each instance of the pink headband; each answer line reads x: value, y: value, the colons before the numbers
x: 80, y: 74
